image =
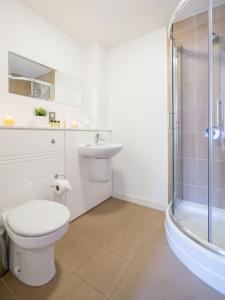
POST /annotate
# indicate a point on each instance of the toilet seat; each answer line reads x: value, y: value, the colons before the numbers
x: 37, y: 218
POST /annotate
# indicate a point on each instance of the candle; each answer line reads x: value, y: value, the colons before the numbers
x: 74, y: 124
x: 8, y: 121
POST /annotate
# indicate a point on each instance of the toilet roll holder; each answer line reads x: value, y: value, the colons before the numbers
x: 57, y: 176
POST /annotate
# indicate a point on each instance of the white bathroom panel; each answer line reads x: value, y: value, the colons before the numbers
x: 18, y: 142
x: 85, y: 194
x: 28, y: 163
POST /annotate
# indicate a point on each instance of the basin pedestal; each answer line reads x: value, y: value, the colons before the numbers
x: 99, y: 170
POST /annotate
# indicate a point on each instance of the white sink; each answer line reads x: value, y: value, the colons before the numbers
x: 105, y: 151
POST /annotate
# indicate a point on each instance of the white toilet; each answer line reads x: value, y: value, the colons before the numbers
x: 33, y: 228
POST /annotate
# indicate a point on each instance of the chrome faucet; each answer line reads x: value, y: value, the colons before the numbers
x: 97, y: 138
x: 100, y: 138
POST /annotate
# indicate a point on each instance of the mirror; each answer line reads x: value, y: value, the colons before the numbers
x: 31, y: 79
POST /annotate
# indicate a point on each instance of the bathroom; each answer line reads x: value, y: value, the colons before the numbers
x: 112, y: 149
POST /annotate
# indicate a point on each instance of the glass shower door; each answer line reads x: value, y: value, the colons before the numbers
x: 217, y: 185
x: 191, y: 123
x: 175, y: 123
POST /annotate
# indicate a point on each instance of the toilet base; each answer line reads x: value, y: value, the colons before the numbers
x: 34, y: 267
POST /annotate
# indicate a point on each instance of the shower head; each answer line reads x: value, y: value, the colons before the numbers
x: 215, y: 38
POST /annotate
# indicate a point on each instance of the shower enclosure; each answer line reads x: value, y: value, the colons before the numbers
x: 197, y: 210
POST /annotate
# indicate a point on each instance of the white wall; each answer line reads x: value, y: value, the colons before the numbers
x: 137, y: 111
x: 136, y: 108
x: 28, y: 34
x: 96, y: 70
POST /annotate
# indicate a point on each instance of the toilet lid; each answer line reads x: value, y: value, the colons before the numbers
x: 38, y: 218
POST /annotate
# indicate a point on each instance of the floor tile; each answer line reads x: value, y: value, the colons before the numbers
x: 1, y: 283
x: 95, y: 233
x: 114, y: 208
x: 75, y: 288
x: 134, y: 232
x: 126, y: 242
x: 138, y: 284
x: 103, y: 221
x: 115, y: 251
x: 25, y: 292
x: 156, y: 256
x: 5, y: 294
x: 74, y: 251
x: 188, y: 286
x: 103, y: 270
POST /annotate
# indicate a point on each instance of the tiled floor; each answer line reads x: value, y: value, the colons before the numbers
x: 116, y: 251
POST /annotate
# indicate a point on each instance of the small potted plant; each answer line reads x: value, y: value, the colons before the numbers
x: 40, y: 117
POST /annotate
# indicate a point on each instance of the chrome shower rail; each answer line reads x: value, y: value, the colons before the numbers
x: 178, y: 9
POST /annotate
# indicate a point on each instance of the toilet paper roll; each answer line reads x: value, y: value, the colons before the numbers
x: 61, y: 186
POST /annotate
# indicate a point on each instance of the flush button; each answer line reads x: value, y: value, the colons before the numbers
x: 53, y: 141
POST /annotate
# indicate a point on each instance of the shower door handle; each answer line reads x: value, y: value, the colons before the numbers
x: 219, y: 113
x: 171, y: 120
x: 216, y: 133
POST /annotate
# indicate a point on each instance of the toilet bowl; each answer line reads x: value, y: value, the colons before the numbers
x: 33, y: 228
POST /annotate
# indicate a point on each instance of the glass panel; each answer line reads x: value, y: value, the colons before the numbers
x: 175, y: 122
x: 191, y: 40
x: 218, y: 123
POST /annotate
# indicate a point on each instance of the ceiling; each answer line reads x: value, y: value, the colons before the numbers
x: 109, y: 22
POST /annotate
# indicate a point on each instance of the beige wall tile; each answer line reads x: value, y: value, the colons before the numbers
x: 186, y: 38
x: 202, y: 146
x: 188, y: 145
x: 202, y: 37
x: 218, y: 198
x: 202, y: 172
x: 218, y: 175
x: 218, y: 11
x: 201, y: 118
x: 201, y: 18
x: 218, y: 150
x: 202, y: 91
x: 187, y: 93
x: 186, y: 23
x: 202, y: 195
x: 218, y: 25
x: 187, y: 119
x: 217, y: 66
x: 187, y: 192
x: 201, y: 64
x: 188, y: 66
x: 188, y: 171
